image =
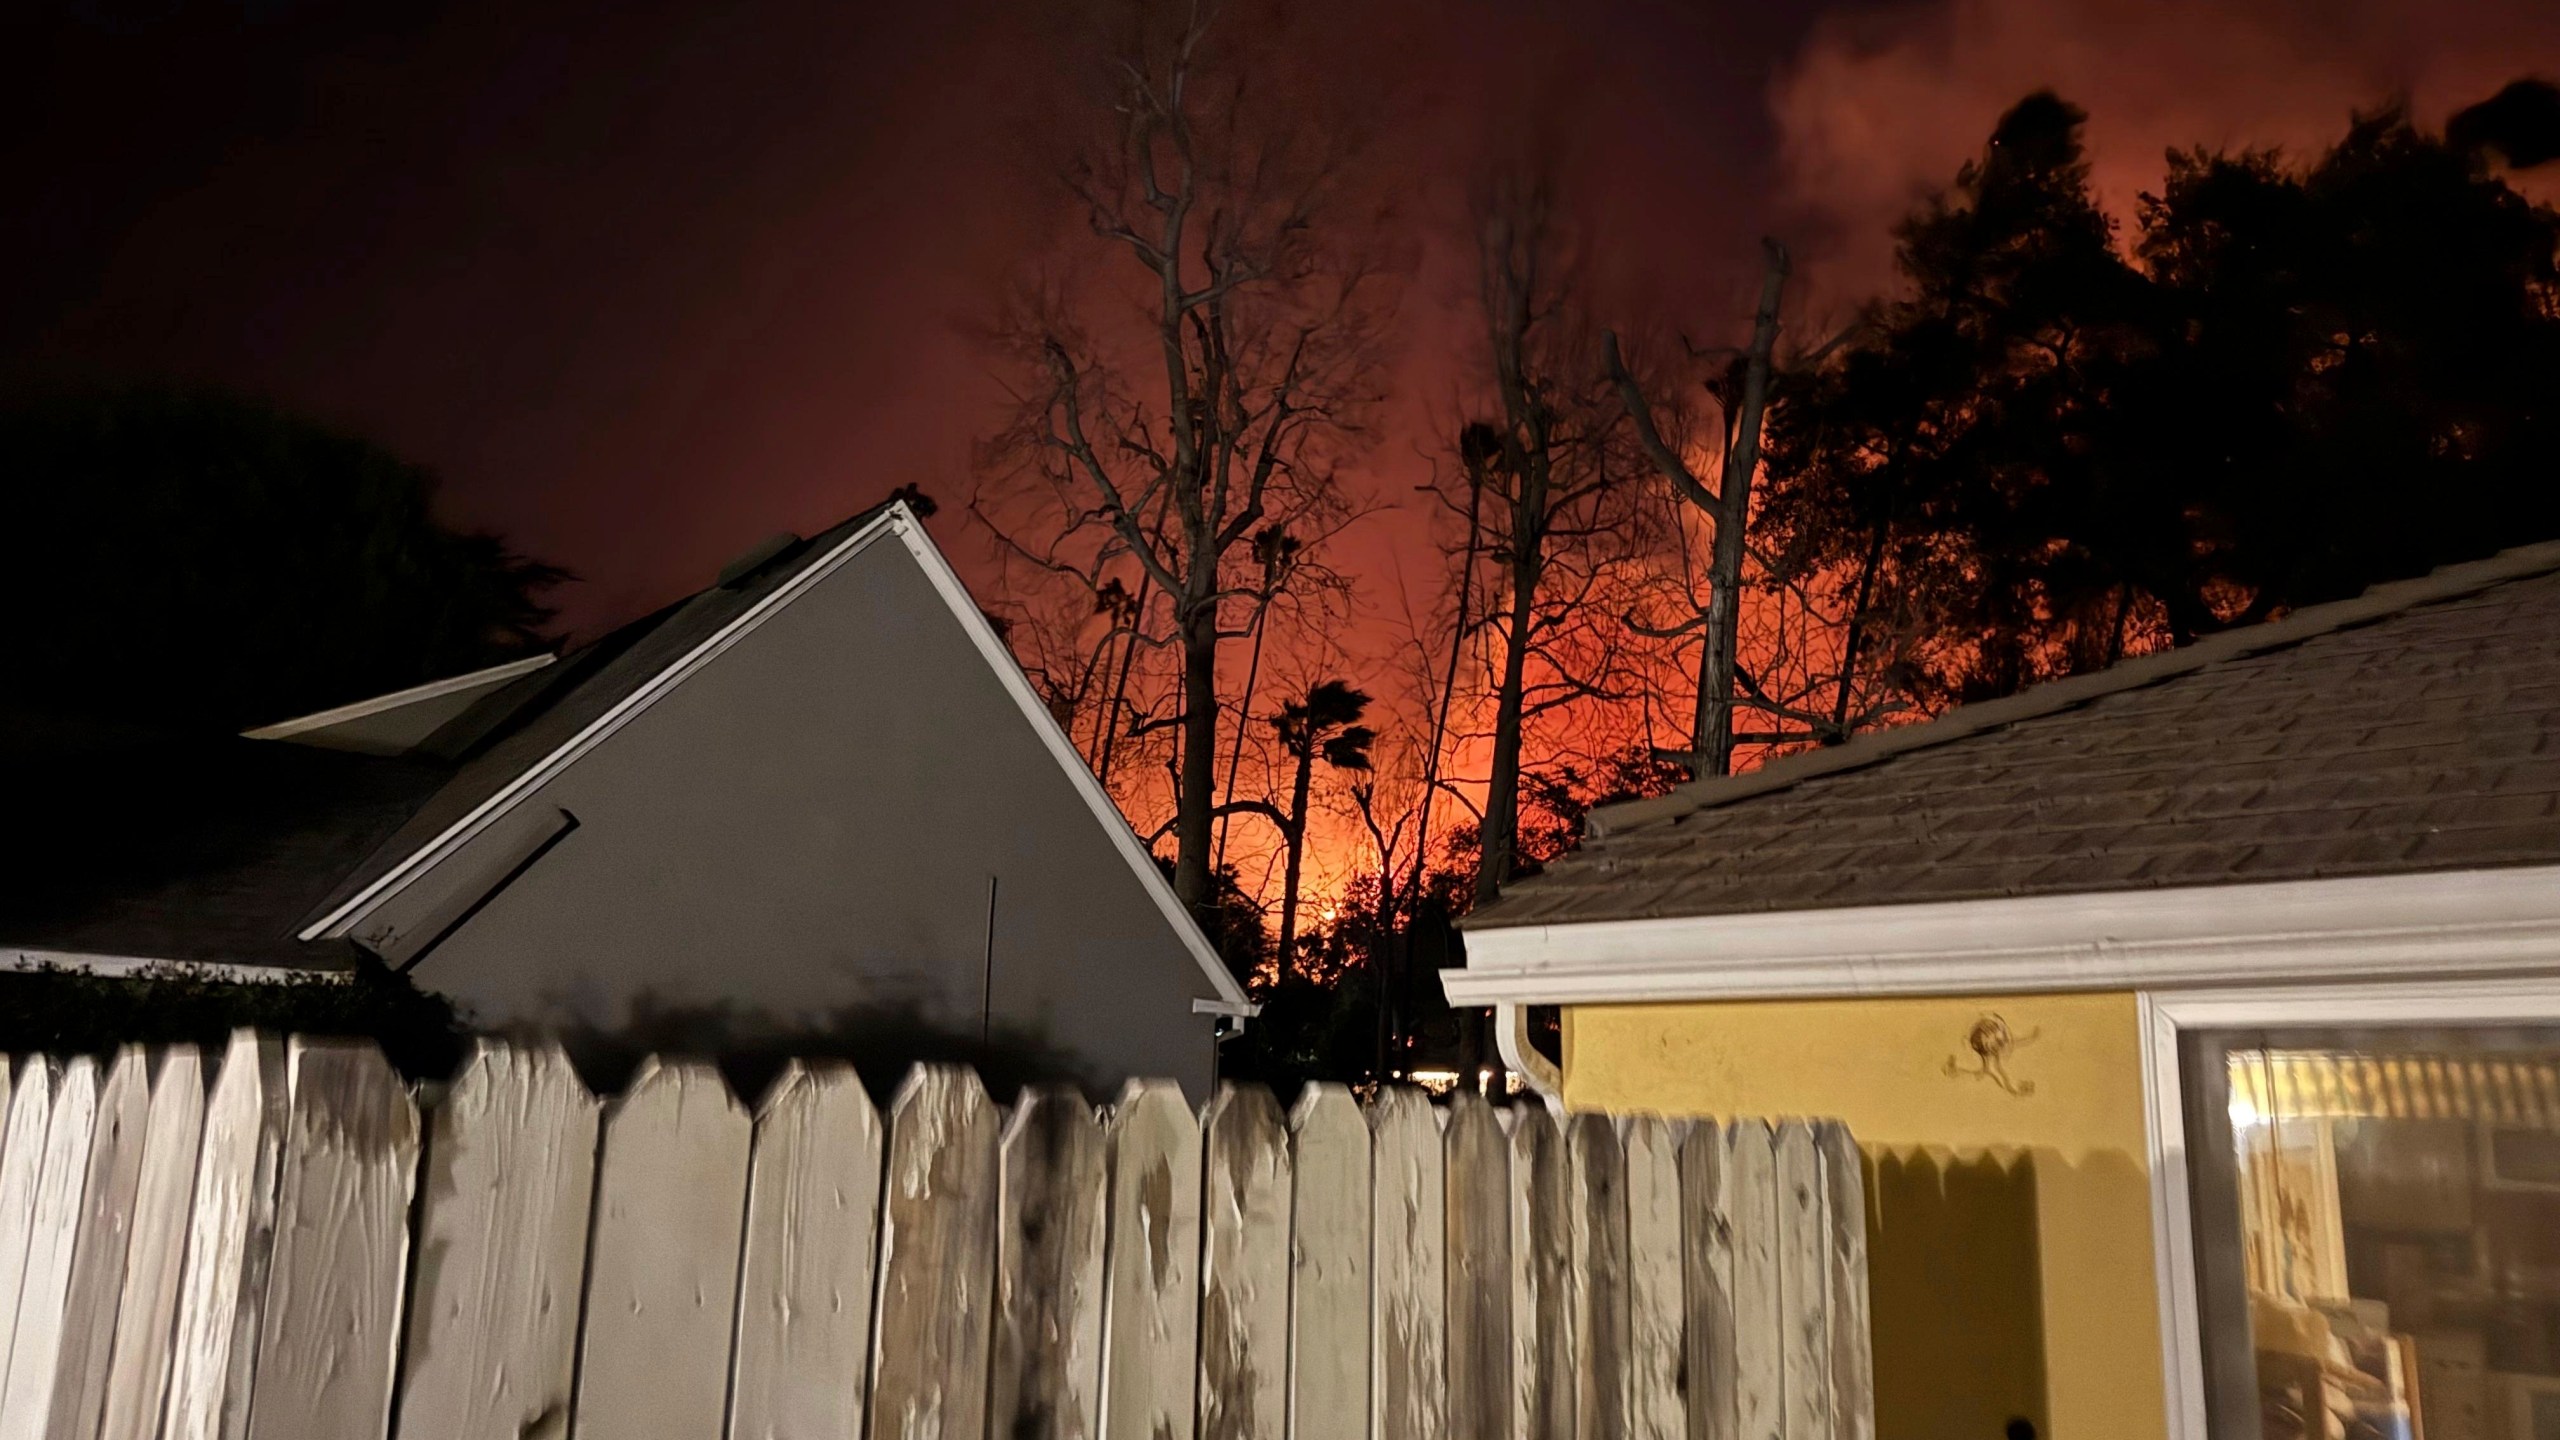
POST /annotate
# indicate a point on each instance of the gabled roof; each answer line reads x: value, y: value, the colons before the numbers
x: 2415, y: 728
x: 520, y: 736
x: 246, y: 843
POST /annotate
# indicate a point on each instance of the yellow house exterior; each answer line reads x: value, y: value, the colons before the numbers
x: 2010, y: 1229
x: 2025, y: 948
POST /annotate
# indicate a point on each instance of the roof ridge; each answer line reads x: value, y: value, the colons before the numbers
x: 2378, y: 602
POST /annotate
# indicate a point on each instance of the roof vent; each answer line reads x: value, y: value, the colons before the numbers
x: 764, y: 553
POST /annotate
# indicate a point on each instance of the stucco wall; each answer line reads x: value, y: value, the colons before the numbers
x: 813, y: 821
x: 2011, y: 1232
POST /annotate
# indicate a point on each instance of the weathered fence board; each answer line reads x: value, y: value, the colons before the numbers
x: 232, y: 1262
x: 21, y: 1166
x: 1853, y: 1383
x: 98, y: 1254
x: 1244, y: 1267
x: 1478, y: 1177
x: 1408, y: 1278
x: 937, y: 1260
x: 1542, y: 1278
x: 232, y: 1196
x: 804, y: 1296
x: 1150, y: 1266
x: 662, y: 1267
x: 1706, y: 1221
x: 1656, y: 1405
x: 1047, y: 1368
x: 1601, y: 1353
x: 1328, y: 1267
x: 502, y: 1251
x: 26, y: 1403
x: 332, y: 1326
x: 147, y: 1302
x: 1759, y: 1310
x: 1804, y: 1284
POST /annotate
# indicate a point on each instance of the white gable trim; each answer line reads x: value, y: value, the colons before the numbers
x: 1231, y: 997
x: 489, y: 679
x: 2453, y: 922
x: 894, y: 520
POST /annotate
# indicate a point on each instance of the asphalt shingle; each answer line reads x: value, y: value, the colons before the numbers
x: 2410, y: 729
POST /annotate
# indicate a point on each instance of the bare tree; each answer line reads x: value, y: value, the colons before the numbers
x: 1547, y: 503
x: 1228, y: 405
x: 1727, y: 505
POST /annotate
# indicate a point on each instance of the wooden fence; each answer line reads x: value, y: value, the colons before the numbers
x: 283, y: 1249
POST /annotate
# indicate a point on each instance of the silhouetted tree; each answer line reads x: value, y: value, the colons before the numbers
x: 2300, y: 380
x: 1164, y: 453
x: 194, y: 560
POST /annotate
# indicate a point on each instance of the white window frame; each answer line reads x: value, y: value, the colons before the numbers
x: 2367, y: 1005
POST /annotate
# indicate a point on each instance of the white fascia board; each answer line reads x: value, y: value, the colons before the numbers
x: 488, y: 679
x: 1230, y: 997
x: 123, y: 966
x: 2454, y: 922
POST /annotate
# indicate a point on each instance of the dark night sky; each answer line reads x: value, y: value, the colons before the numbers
x: 646, y: 281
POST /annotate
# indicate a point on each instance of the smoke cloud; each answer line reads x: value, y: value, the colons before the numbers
x: 1880, y: 107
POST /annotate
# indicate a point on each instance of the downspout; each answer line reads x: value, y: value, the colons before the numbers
x: 1511, y: 1038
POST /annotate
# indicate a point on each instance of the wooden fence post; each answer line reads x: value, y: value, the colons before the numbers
x: 98, y: 1254
x: 147, y: 1305
x: 26, y: 1402
x: 931, y: 1331
x: 1599, y: 1169
x: 1853, y: 1382
x: 1543, y: 1284
x: 332, y: 1316
x: 1329, y: 1266
x: 502, y: 1251
x: 1244, y: 1267
x: 1759, y: 1313
x: 1478, y: 1177
x: 662, y: 1267
x: 1657, y: 1407
x: 30, y: 1112
x: 804, y: 1294
x: 1804, y: 1284
x: 230, y: 1227
x: 1408, y: 1275
x: 1048, y: 1342
x: 1150, y: 1267
x: 1706, y: 1222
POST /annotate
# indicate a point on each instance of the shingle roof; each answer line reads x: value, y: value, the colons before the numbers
x: 203, y: 848
x: 2416, y: 727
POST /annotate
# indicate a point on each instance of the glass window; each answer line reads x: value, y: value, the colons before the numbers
x: 2377, y: 1218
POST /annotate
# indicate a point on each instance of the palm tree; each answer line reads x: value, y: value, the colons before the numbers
x: 1325, y: 723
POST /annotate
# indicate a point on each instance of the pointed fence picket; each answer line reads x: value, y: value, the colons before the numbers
x: 227, y: 1254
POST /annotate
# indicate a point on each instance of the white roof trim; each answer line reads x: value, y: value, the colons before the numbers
x: 893, y: 520
x: 2443, y: 923
x: 118, y: 966
x: 433, y: 690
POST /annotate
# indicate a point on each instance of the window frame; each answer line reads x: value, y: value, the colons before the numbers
x: 2168, y: 1016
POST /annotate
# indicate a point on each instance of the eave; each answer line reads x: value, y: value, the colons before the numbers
x: 2437, y: 924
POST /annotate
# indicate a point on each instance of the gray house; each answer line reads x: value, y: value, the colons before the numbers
x: 820, y: 784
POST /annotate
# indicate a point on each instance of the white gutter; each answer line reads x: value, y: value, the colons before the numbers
x: 2443, y: 923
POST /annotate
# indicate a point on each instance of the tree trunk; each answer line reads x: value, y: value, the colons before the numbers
x: 1501, y: 831
x: 1195, y: 797
x: 1711, y: 741
x: 1297, y: 838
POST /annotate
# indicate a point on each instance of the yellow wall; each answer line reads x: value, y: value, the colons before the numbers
x: 2010, y: 1232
